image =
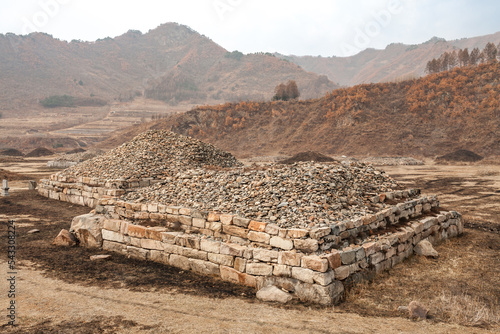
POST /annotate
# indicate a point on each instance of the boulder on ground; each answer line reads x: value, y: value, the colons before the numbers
x: 87, y: 229
x: 417, y: 311
x: 424, y: 248
x: 64, y: 238
x: 273, y: 294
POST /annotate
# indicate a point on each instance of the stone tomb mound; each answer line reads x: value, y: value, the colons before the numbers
x: 311, y: 229
x: 149, y: 157
x: 39, y: 152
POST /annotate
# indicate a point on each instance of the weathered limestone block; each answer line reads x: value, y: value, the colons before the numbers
x: 324, y: 278
x: 158, y: 256
x: 226, y: 219
x: 225, y: 260
x: 306, y: 245
x: 235, y: 230
x: 194, y: 254
x: 333, y: 258
x: 241, y: 222
x: 289, y: 258
x: 315, y: 263
x: 87, y: 229
x: 179, y: 261
x: 341, y: 273
x: 137, y: 253
x: 282, y: 243
x: 273, y: 294
x: 265, y: 255
x: 323, y: 295
x: 297, y: 233
x: 257, y: 226
x: 320, y: 232
x: 136, y: 231
x: 232, y: 275
x: 204, y: 267
x: 282, y: 270
x: 112, y: 236
x: 303, y: 274
x: 114, y: 247
x: 259, y: 269
x: 261, y: 237
x: 151, y: 244
x: 348, y: 256
x: 232, y: 249
x: 112, y: 225
x: 210, y: 246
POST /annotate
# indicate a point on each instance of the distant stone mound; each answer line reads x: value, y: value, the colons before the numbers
x: 307, y: 156
x: 460, y: 155
x: 39, y: 152
x: 76, y: 150
x: 11, y: 152
x: 153, y: 154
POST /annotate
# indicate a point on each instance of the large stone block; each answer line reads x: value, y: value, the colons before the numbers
x: 232, y: 249
x: 87, y: 229
x: 137, y: 253
x: 225, y: 260
x: 210, y: 246
x: 303, y: 274
x: 259, y: 269
x: 282, y: 243
x: 265, y: 255
x: 315, y: 263
x: 112, y: 236
x: 289, y: 258
x: 260, y: 237
x: 204, y: 267
x: 235, y: 230
x: 306, y: 245
x: 136, y: 231
x: 179, y: 261
x: 333, y: 258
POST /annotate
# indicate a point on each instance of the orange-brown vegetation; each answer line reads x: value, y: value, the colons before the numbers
x: 430, y: 116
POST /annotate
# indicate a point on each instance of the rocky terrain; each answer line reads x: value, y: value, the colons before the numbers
x: 298, y: 195
x: 152, y: 154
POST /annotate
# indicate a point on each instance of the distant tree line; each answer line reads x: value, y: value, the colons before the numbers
x: 286, y: 92
x: 462, y: 57
x: 56, y: 101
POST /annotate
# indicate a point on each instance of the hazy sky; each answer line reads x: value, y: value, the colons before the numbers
x: 307, y: 27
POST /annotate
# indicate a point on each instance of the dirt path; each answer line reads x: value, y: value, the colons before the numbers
x: 50, y: 305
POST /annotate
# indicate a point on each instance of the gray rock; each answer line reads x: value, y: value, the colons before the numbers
x: 417, y: 310
x: 99, y: 257
x: 424, y: 248
x: 87, y: 229
x: 273, y: 294
x: 64, y: 238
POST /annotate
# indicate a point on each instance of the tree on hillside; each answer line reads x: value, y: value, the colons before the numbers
x: 292, y: 91
x: 490, y: 52
x: 286, y: 92
x: 463, y: 57
x: 475, y: 56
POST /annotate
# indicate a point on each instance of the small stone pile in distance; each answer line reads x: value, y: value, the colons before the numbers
x: 299, y: 195
x: 153, y: 154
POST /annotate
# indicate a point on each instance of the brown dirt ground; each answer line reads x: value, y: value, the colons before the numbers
x: 62, y: 291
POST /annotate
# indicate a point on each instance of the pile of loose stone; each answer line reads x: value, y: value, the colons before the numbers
x: 80, y: 156
x: 152, y: 154
x: 300, y: 195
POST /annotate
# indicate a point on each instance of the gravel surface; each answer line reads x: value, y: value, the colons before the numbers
x: 299, y: 195
x: 155, y: 154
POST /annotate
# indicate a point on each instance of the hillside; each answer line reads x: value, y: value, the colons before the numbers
x: 171, y: 62
x: 434, y: 115
x: 396, y: 62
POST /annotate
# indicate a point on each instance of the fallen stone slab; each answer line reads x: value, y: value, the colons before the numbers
x: 273, y: 294
x: 64, y: 238
x: 99, y: 257
x: 424, y: 248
